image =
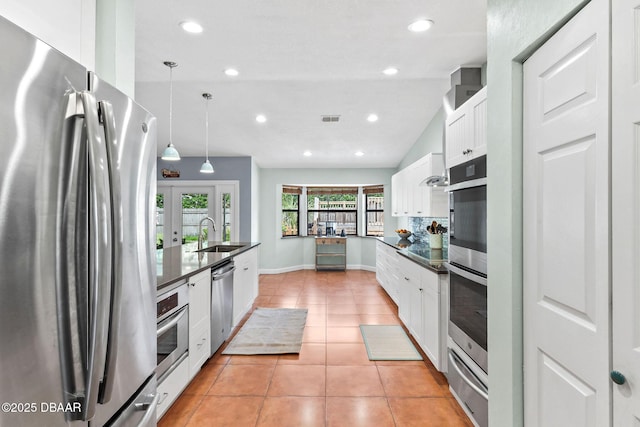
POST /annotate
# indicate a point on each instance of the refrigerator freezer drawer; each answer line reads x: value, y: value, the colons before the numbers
x: 141, y: 412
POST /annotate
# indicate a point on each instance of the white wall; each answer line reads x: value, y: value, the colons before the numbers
x: 430, y: 141
x: 514, y: 29
x: 255, y: 201
x: 279, y: 254
x: 67, y: 25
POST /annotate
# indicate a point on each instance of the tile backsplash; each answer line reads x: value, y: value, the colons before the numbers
x: 418, y: 226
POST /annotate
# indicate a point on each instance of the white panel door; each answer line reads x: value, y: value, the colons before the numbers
x: 625, y: 200
x: 566, y: 231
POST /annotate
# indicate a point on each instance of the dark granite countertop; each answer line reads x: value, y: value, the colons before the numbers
x: 420, y: 253
x: 179, y: 262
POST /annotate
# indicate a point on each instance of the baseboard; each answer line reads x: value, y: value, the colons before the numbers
x: 312, y: 267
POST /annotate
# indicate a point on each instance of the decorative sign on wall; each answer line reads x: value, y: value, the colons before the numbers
x: 166, y: 173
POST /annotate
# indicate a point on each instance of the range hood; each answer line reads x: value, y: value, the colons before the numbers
x: 465, y: 82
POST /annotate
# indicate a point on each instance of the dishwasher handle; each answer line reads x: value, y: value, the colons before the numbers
x: 223, y: 272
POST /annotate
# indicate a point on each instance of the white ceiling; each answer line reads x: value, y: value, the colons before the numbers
x: 299, y: 60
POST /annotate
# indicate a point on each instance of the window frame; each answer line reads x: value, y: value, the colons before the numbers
x: 372, y: 191
x: 307, y: 192
x: 329, y: 190
x: 296, y: 190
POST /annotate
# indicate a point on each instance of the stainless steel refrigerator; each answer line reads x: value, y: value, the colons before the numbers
x: 77, y: 267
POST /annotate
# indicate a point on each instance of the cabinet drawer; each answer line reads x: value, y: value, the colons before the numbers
x: 171, y: 387
x: 199, y: 346
x: 330, y: 241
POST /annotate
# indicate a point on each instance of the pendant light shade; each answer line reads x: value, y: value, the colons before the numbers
x: 170, y: 153
x: 206, y: 167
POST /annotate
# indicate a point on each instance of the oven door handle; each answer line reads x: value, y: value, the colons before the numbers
x: 172, y: 321
x: 467, y: 275
x: 453, y: 361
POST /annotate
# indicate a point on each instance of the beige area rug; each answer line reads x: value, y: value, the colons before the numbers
x: 388, y: 342
x: 270, y: 331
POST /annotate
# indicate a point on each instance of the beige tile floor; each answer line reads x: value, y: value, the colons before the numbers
x: 331, y: 382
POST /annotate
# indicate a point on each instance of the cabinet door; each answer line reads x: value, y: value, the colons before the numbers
x: 395, y: 194
x: 407, y: 287
x: 199, y: 321
x: 245, y: 283
x: 171, y: 387
x: 199, y: 296
x: 404, y: 298
x: 466, y: 130
x: 417, y: 194
x: 432, y: 325
x: 457, y: 133
x: 478, y: 113
x: 416, y: 324
x: 402, y: 185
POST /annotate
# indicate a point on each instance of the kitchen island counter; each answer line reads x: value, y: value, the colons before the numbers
x: 179, y: 262
x: 419, y: 252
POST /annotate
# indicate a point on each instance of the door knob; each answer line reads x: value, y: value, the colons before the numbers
x: 617, y: 377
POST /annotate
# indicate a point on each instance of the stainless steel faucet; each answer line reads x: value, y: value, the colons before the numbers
x: 213, y: 223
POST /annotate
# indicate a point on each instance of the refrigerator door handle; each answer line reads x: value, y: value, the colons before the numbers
x: 100, y: 268
x: 69, y: 210
x: 150, y: 413
x: 107, y: 119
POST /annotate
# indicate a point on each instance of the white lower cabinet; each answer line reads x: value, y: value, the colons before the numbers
x: 387, y: 270
x: 171, y: 387
x: 408, y: 308
x: 245, y: 283
x: 199, y: 321
x: 421, y: 296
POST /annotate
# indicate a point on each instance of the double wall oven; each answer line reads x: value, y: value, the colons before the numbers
x: 173, y: 328
x: 468, y: 368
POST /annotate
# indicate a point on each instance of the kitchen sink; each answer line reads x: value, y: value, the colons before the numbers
x: 221, y: 248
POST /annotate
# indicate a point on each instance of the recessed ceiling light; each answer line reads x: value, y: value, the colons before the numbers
x: 260, y: 118
x: 420, y: 25
x: 372, y: 118
x: 359, y: 153
x: 307, y: 153
x: 191, y: 27
x: 231, y: 72
x: 391, y: 71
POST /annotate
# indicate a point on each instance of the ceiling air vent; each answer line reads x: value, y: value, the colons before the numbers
x: 328, y: 119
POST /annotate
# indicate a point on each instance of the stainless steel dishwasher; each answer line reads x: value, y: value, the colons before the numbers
x: 221, y: 304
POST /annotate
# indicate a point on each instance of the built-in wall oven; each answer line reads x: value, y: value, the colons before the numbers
x: 468, y: 356
x: 173, y: 328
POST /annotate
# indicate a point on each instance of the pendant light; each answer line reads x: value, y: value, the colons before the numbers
x: 206, y: 166
x: 170, y: 153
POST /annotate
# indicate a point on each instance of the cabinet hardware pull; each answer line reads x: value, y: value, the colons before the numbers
x: 164, y: 396
x: 192, y: 284
x: 246, y: 268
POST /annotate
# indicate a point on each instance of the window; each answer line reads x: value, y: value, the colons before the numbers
x: 291, y: 210
x: 332, y: 210
x: 358, y: 211
x: 374, y: 210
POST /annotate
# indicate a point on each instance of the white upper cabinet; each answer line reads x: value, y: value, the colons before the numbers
x: 409, y: 198
x: 466, y: 130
